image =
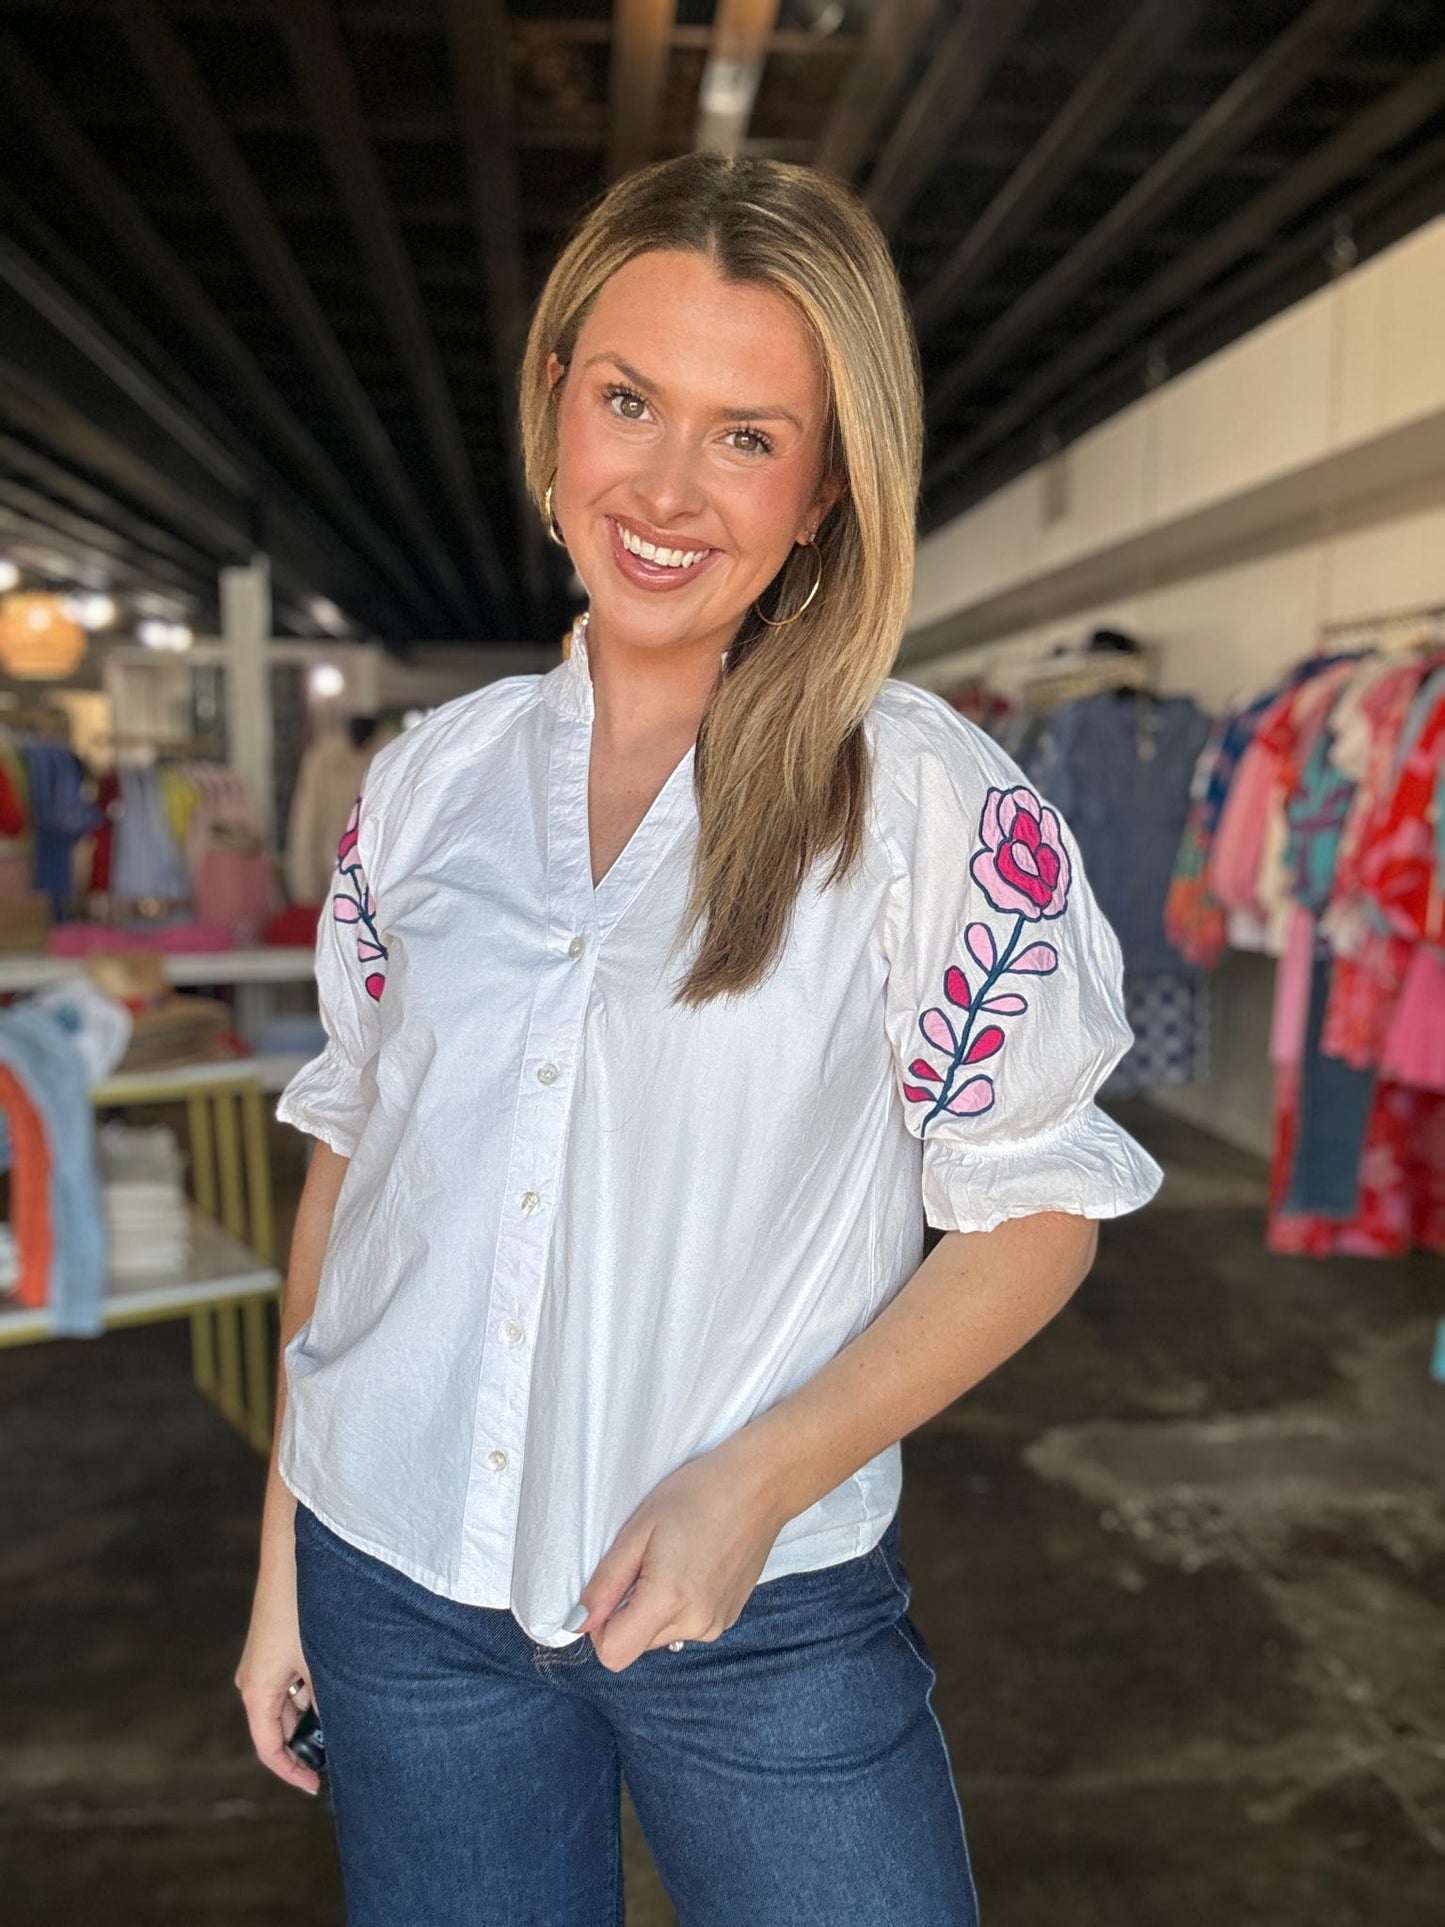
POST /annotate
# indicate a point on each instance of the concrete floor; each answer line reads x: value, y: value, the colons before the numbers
x: 1182, y: 1566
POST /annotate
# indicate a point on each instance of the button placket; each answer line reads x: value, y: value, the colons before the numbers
x: 551, y: 1043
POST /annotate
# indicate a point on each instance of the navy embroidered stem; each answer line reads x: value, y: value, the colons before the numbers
x: 1001, y: 964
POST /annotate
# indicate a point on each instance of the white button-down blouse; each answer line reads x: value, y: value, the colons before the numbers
x: 586, y: 1233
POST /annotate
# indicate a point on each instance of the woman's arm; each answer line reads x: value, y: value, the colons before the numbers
x: 973, y: 1302
x: 272, y: 1658
x: 692, y: 1551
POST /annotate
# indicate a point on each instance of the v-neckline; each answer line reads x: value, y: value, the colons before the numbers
x: 568, y: 690
x: 642, y: 849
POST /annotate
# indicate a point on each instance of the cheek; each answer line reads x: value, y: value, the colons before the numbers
x: 766, y: 513
x: 588, y: 456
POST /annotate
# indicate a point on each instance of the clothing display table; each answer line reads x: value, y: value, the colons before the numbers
x: 231, y: 1278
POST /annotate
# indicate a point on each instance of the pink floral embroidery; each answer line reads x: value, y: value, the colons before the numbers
x: 353, y: 903
x: 1023, y: 870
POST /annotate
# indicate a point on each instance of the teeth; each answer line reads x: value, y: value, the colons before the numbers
x: 663, y: 558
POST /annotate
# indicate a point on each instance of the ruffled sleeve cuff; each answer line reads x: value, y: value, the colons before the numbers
x: 1089, y: 1167
x: 325, y: 1100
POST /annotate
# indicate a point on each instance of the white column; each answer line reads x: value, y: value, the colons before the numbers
x: 246, y: 633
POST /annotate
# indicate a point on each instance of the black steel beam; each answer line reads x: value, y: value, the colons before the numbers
x: 52, y: 479
x: 477, y: 34
x: 942, y: 101
x: 1404, y: 197
x: 40, y: 109
x: 86, y: 312
x: 1280, y: 72
x: 125, y: 566
x: 880, y: 70
x: 1109, y: 89
x: 182, y: 94
x: 328, y: 87
x: 1389, y: 121
x: 32, y: 406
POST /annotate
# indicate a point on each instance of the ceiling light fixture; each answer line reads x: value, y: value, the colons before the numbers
x: 325, y: 682
x: 154, y: 634
x: 91, y: 611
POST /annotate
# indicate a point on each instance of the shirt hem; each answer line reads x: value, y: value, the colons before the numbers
x: 785, y: 1565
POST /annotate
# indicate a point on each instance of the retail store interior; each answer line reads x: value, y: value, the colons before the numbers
x: 1177, y: 274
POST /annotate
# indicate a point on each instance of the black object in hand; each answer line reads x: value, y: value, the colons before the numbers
x: 307, y: 1744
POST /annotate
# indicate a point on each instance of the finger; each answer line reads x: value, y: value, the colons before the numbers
x: 614, y: 1580
x: 649, y: 1619
x: 269, y: 1740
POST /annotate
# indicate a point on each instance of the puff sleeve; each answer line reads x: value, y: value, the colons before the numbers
x: 1005, y: 992
x: 331, y: 1097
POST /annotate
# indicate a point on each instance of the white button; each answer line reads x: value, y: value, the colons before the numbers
x: 512, y: 1332
x: 497, y: 1461
x: 674, y: 1645
x: 547, y: 1074
x: 530, y: 1201
x: 576, y: 947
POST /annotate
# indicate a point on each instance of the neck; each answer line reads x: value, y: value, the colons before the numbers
x: 649, y: 694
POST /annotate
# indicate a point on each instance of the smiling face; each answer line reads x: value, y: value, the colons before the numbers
x: 690, y: 436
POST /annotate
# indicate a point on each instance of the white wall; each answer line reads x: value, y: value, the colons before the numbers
x: 1293, y: 481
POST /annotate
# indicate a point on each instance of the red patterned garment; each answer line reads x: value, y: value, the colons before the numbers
x: 1398, y: 865
x: 1371, y: 965
x: 1402, y: 1179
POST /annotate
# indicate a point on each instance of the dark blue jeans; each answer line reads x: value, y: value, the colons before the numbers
x: 790, y: 1774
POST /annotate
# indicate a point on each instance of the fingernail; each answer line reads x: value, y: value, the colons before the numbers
x: 574, y: 1620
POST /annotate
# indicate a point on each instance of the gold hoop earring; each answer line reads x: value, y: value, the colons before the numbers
x: 781, y: 622
x: 552, y: 527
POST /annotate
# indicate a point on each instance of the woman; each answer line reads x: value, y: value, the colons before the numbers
x: 659, y: 990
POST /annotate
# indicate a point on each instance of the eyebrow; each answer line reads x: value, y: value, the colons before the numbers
x: 733, y: 414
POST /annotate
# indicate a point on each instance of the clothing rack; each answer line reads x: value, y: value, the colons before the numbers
x: 1073, y: 679
x: 1400, y: 629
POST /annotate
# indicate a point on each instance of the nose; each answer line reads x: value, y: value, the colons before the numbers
x: 668, y: 483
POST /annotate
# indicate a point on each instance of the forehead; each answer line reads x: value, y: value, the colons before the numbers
x: 673, y: 317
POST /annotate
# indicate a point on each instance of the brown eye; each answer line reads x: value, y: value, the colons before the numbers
x: 625, y: 403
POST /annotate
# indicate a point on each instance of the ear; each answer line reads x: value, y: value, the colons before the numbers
x: 830, y: 489
x: 556, y: 368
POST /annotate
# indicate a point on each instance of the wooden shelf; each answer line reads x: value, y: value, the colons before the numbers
x: 272, y: 1073
x: 32, y: 970
x: 221, y: 1270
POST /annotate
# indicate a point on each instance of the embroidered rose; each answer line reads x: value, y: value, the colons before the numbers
x: 1023, y: 868
x: 1023, y: 871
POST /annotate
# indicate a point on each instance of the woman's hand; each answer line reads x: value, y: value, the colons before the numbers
x: 271, y: 1665
x: 690, y: 1555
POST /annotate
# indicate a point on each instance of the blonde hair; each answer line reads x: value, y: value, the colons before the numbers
x: 781, y: 770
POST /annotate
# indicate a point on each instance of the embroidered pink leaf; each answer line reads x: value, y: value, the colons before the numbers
x: 973, y: 1099
x: 938, y: 1030
x: 955, y: 987
x: 988, y: 1043
x: 375, y: 984
x: 1007, y: 1005
x: 1039, y: 960
x: 368, y: 951
x: 916, y: 1096
x: 981, y: 946
x: 918, y: 1068
x: 346, y: 910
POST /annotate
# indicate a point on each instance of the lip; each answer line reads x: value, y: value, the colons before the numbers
x: 647, y: 575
